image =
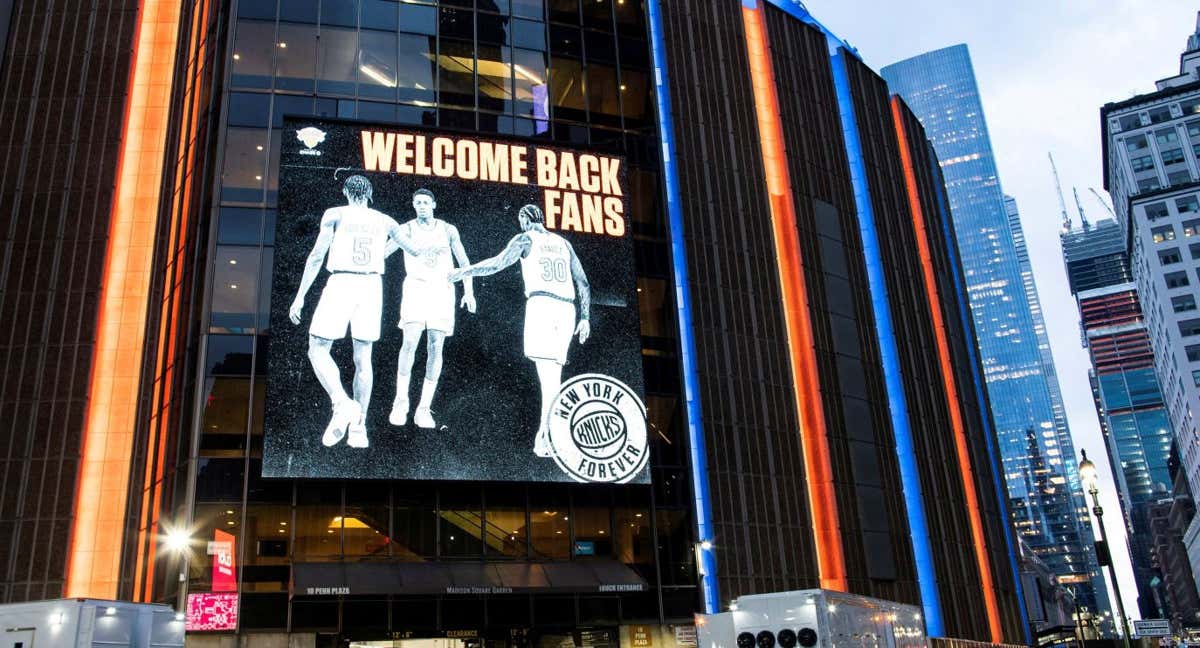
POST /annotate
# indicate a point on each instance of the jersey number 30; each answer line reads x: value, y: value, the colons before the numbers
x: 362, y: 250
x: 554, y: 269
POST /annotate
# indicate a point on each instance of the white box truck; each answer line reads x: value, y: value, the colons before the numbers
x: 88, y: 623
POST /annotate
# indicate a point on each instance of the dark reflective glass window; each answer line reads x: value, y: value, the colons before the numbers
x: 239, y: 225
x: 234, y: 289
x: 462, y: 119
x: 457, y: 23
x: 526, y: 33
x: 603, y: 95
x: 376, y: 111
x: 461, y: 517
x: 343, y: 13
x: 223, y: 423
x: 318, y: 520
x: 630, y: 17
x: 564, y: 11
x: 497, y: 6
x: 414, y: 523
x: 418, y: 19
x: 495, y: 78
x: 264, y: 9
x: 634, y: 52
x: 264, y: 293
x: 566, y: 90
x: 549, y: 525
x: 379, y: 14
x: 219, y: 480
x: 316, y: 613
x: 252, y: 54
x: 249, y: 109
x: 566, y: 41
x: 416, y: 115
x: 599, y: 46
x: 245, y: 164
x: 504, y: 522
x: 597, y: 14
x: 366, y: 528
x: 417, y: 68
x: 365, y: 615
x: 377, y: 65
x: 635, y: 99
x: 263, y: 611
x: 456, y: 85
x: 337, y: 68
x: 229, y: 355
x: 466, y: 4
x: 295, y: 56
x: 528, y: 8
x: 304, y: 11
x: 490, y: 28
x: 530, y: 72
x: 289, y: 105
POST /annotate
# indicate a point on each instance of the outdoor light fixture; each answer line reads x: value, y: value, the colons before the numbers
x: 177, y: 540
x: 1087, y: 472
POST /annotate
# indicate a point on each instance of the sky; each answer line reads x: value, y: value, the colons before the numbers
x: 1044, y: 68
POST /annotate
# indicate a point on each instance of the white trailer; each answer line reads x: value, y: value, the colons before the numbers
x: 815, y: 617
x: 85, y: 623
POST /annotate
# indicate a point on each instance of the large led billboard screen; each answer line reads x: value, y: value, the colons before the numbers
x: 450, y: 306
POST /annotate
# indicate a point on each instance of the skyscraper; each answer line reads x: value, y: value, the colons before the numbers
x: 1046, y: 500
x: 1129, y: 400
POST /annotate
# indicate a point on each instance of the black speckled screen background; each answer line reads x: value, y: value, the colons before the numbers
x: 488, y: 399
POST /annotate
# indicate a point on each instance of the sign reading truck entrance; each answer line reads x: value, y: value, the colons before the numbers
x: 448, y: 306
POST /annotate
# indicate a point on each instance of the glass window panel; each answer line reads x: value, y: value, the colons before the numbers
x: 318, y: 515
x: 239, y: 225
x: 504, y: 522
x: 418, y: 19
x: 456, y: 84
x: 273, y: 167
x: 449, y: 118
x: 564, y: 11
x: 337, y: 68
x: 267, y: 491
x: 219, y: 480
x: 264, y: 9
x: 252, y: 53
x: 549, y: 530
x: 376, y: 111
x: 654, y: 307
x: 366, y: 529
x: 339, y: 12
x: 599, y: 46
x: 229, y: 355
x: 416, y: 115
x: 632, y: 539
x: 456, y: 23
x: 298, y: 11
x: 597, y: 14
x: 495, y: 78
x: 566, y: 89
x: 530, y: 73
x: 566, y: 41
x: 461, y: 518
x: 634, y: 53
x: 263, y: 324
x: 249, y: 109
x: 467, y: 4
x: 635, y: 98
x: 289, y: 105
x: 490, y: 28
x: 235, y: 282
x: 498, y: 6
x: 223, y: 423
x: 417, y: 68
x: 377, y: 65
x: 603, y: 95
x: 414, y: 525
x: 528, y: 8
x: 207, y: 517
x: 379, y: 14
x: 591, y: 521
x: 526, y: 33
x: 630, y: 17
x: 295, y: 56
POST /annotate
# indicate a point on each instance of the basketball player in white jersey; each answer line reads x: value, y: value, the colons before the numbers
x: 356, y: 239
x: 427, y: 304
x: 553, y: 278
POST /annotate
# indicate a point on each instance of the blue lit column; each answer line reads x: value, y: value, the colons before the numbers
x: 706, y: 558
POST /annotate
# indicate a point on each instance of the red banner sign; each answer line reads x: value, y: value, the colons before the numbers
x: 224, y: 573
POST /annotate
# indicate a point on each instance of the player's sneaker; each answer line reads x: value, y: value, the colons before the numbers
x: 399, y: 415
x: 343, y: 414
x: 424, y: 418
x: 357, y: 438
x: 541, y: 443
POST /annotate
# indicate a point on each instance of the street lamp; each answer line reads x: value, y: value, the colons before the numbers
x: 178, y: 541
x: 1087, y: 473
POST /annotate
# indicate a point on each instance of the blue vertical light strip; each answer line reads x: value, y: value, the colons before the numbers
x: 683, y: 302
x: 964, y: 314
x: 889, y: 355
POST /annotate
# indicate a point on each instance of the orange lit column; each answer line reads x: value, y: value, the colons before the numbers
x: 952, y: 402
x: 827, y: 534
x: 94, y: 556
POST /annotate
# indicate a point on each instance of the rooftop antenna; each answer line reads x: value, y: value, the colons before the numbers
x: 1062, y: 204
x: 1078, y: 205
x: 1103, y: 202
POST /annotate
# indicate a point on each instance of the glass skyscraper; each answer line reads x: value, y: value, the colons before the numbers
x: 1128, y: 397
x: 1044, y: 492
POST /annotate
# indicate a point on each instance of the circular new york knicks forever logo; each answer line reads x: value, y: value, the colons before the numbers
x: 598, y: 430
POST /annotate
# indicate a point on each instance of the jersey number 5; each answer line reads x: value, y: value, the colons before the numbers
x: 362, y: 250
x: 554, y: 269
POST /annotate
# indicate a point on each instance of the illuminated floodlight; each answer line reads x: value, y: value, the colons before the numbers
x: 706, y: 545
x: 110, y: 610
x: 177, y: 540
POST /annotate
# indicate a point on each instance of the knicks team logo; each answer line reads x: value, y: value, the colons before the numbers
x: 598, y: 430
x: 310, y: 137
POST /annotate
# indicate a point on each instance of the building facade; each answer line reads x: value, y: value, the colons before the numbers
x: 1151, y: 143
x: 796, y: 443
x: 1045, y: 497
x: 1129, y: 401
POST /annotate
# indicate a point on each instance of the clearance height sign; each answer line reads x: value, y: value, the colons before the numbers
x: 446, y: 306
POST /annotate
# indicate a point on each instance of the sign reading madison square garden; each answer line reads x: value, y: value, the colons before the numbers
x: 454, y: 307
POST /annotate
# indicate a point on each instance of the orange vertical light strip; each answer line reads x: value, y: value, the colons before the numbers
x: 94, y: 554
x: 943, y: 349
x: 827, y: 535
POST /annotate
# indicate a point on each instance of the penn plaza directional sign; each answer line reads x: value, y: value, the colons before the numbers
x: 1152, y: 628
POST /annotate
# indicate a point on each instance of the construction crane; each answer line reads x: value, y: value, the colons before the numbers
x: 1062, y: 204
x: 1102, y: 201
x: 1078, y: 205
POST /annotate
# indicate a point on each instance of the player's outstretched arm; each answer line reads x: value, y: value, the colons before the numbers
x: 584, y: 290
x: 460, y: 255
x: 313, y: 264
x: 398, y: 239
x: 516, y: 248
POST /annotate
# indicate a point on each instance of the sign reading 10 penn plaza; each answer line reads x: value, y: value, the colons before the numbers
x: 451, y: 307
